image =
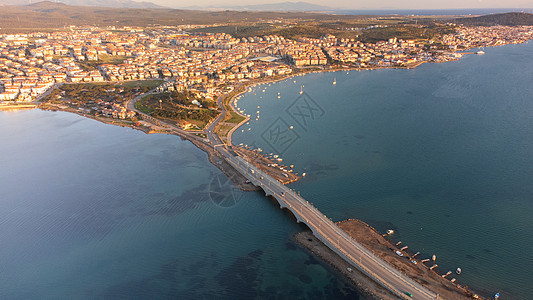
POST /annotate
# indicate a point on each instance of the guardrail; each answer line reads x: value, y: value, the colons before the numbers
x: 246, y: 169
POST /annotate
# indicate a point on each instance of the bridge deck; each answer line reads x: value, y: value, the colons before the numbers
x: 331, y: 235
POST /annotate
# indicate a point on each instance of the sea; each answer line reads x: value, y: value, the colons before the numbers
x: 96, y: 211
x: 442, y: 154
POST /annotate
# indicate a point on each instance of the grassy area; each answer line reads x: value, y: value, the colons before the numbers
x: 143, y: 83
x: 142, y: 106
x: 240, y: 30
x: 235, y: 118
x: 94, y: 98
x: 223, y: 130
x: 177, y: 106
x: 361, y: 28
x: 103, y: 59
x: 405, y: 32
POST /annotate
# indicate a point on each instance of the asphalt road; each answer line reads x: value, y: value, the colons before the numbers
x: 324, y: 228
x: 334, y: 237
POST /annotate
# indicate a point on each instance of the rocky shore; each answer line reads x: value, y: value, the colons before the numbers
x: 379, y: 245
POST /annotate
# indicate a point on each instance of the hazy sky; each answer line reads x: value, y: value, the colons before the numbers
x: 364, y: 4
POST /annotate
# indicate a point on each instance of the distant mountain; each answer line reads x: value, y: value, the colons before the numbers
x: 98, y: 3
x: 506, y: 19
x: 282, y: 6
x: 49, y: 15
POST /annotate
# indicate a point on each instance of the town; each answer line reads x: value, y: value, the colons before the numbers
x: 207, y: 65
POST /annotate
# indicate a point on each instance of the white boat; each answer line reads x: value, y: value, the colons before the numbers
x: 301, y: 90
x: 434, y: 257
x: 390, y: 231
x: 458, y: 271
x: 480, y: 52
x: 335, y: 81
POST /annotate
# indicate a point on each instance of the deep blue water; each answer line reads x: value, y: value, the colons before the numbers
x: 443, y: 154
x: 95, y: 211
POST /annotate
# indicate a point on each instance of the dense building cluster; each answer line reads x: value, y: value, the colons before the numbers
x: 206, y: 63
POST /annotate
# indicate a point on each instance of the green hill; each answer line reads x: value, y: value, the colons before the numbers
x: 506, y: 19
x: 49, y: 15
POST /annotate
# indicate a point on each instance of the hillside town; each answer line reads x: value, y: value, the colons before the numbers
x: 208, y: 64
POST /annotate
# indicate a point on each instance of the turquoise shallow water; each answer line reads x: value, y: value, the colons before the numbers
x: 443, y: 154
x: 94, y: 211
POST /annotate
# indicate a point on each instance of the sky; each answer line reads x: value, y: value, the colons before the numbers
x: 363, y: 4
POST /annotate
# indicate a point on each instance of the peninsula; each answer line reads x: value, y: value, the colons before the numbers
x: 183, y: 80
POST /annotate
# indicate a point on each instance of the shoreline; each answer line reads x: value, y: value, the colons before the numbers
x: 383, y: 248
x: 367, y: 286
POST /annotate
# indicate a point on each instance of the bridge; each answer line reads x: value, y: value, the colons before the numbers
x: 322, y: 227
x: 330, y: 234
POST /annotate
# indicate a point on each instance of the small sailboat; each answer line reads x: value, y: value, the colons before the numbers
x: 301, y: 90
x: 334, y: 81
x: 434, y: 257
